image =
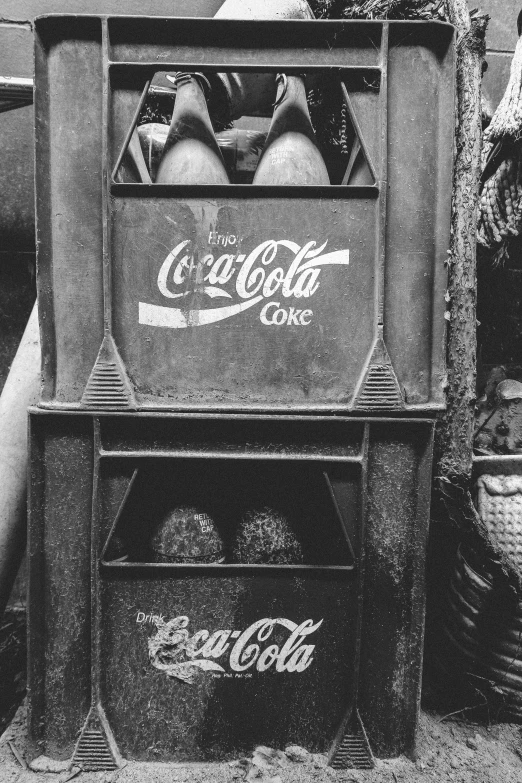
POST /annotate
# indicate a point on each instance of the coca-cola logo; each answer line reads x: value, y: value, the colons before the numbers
x: 274, y: 272
x: 180, y: 655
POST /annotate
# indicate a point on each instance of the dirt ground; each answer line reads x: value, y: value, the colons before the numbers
x: 449, y: 750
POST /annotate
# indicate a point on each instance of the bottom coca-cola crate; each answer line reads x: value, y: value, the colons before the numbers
x: 202, y: 585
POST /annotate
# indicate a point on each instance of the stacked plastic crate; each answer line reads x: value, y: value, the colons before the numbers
x: 231, y: 372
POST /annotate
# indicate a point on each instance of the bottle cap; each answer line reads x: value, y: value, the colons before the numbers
x: 186, y: 535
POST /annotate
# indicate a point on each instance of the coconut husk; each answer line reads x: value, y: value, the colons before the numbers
x: 265, y: 536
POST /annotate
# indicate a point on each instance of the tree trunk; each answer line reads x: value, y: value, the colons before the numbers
x: 455, y: 436
x: 454, y: 449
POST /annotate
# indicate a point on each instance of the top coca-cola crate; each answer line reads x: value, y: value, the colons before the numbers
x: 250, y: 293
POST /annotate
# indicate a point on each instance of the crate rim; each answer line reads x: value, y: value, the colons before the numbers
x: 38, y: 410
x: 261, y: 22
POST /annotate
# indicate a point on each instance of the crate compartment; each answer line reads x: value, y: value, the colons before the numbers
x: 250, y: 695
x: 89, y: 644
x: 318, y: 505
x: 140, y: 96
x: 374, y: 342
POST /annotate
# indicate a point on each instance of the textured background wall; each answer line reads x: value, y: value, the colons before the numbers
x: 501, y: 40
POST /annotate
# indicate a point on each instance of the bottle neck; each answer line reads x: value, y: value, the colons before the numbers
x: 291, y: 107
x: 190, y: 118
x: 190, y: 95
x: 291, y: 88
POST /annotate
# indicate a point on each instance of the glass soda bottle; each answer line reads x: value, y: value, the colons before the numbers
x: 291, y: 155
x: 191, y: 155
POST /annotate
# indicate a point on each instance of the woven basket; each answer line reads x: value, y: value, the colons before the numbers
x: 499, y: 502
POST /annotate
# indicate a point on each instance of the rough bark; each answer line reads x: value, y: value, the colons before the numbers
x: 455, y: 442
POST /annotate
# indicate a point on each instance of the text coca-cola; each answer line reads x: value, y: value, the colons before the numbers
x: 275, y: 270
x: 173, y: 650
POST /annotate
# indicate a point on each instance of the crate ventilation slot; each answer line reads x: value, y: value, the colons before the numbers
x: 351, y: 749
x: 108, y: 386
x: 93, y: 751
x: 380, y: 388
x: 353, y: 753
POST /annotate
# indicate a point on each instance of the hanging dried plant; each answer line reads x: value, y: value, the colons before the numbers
x: 378, y: 9
x: 500, y: 214
x: 500, y: 209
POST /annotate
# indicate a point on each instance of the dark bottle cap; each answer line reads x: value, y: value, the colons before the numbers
x: 186, y: 535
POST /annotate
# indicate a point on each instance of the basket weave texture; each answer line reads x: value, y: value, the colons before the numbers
x: 500, y: 508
